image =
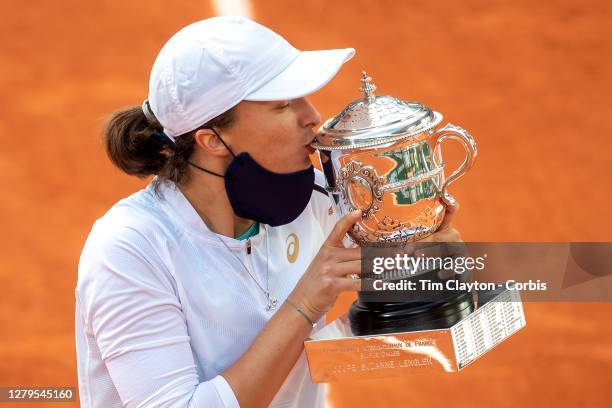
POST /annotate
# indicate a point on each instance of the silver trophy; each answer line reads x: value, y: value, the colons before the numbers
x: 382, y: 155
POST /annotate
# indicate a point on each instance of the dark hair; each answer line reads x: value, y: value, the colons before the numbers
x: 133, y: 144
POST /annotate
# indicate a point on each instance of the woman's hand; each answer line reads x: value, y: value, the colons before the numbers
x: 326, y: 276
x: 446, y: 233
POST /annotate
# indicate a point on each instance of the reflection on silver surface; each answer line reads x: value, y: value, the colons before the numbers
x: 336, y: 354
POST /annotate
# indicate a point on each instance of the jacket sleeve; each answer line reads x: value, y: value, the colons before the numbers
x: 131, y: 309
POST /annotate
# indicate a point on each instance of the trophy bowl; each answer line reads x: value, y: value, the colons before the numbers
x: 383, y: 156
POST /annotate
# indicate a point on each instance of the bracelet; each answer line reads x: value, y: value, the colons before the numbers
x: 300, y: 311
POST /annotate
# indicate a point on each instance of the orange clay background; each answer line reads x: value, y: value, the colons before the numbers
x: 530, y: 80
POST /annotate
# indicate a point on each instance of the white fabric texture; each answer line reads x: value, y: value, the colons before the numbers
x: 162, y: 308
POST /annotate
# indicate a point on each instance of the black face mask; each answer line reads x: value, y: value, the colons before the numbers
x: 261, y: 195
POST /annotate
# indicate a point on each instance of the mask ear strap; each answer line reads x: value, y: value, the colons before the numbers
x: 203, y: 169
x: 208, y: 171
x: 224, y: 144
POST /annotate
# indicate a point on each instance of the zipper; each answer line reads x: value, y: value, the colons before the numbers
x: 248, y: 246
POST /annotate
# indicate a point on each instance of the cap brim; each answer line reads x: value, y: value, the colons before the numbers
x: 308, y: 73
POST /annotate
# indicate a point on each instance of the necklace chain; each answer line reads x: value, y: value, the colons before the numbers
x: 272, y: 301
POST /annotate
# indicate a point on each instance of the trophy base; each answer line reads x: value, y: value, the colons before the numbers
x: 368, y: 318
x: 336, y: 353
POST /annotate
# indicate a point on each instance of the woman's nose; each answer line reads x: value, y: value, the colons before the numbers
x: 309, y: 116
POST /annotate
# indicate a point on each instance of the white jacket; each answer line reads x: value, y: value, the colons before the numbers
x: 162, y: 308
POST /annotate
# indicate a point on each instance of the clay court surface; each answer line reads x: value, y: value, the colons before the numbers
x: 530, y: 80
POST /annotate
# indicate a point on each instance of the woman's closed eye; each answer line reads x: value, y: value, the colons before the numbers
x: 284, y: 105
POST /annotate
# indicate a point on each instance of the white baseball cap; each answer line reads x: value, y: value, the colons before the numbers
x: 210, y: 66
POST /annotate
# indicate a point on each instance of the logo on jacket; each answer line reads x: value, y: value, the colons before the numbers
x: 293, y: 247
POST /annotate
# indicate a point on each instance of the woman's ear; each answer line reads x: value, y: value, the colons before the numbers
x: 207, y: 140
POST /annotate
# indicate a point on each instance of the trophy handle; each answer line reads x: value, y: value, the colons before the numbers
x: 451, y: 131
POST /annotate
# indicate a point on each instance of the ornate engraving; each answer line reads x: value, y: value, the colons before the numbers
x: 364, y: 177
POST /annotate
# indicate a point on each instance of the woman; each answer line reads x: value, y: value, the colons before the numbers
x: 199, y: 290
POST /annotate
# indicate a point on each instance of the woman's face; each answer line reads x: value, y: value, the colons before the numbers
x: 276, y: 134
